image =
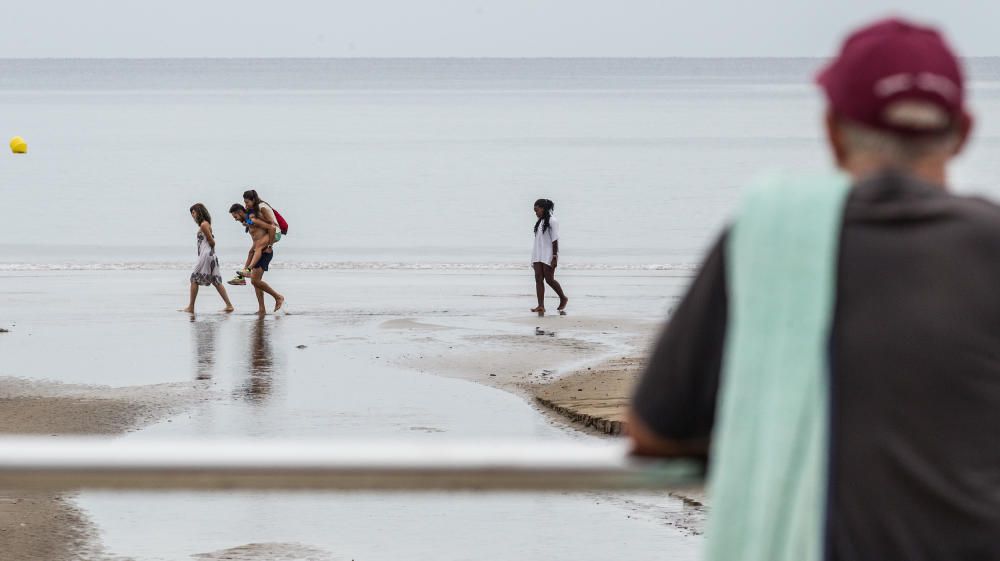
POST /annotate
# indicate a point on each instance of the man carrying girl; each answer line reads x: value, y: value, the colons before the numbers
x: 262, y: 231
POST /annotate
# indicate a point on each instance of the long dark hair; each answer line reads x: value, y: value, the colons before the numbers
x: 201, y: 213
x: 547, y: 206
x: 251, y: 195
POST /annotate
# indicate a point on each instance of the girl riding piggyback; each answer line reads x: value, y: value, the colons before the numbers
x: 260, y: 214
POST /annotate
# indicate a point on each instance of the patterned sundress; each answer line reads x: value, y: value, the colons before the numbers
x: 207, y: 272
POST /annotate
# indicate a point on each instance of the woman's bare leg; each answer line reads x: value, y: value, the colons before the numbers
x: 539, y: 287
x: 550, y: 277
x: 256, y: 253
x: 225, y: 297
x: 194, y: 296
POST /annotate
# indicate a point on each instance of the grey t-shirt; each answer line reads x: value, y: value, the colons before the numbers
x: 914, y: 374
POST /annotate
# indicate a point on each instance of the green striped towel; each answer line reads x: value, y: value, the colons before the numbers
x: 767, y: 481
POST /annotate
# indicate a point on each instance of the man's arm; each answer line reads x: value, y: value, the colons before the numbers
x: 260, y: 221
x: 645, y: 442
x: 265, y: 216
x: 673, y: 408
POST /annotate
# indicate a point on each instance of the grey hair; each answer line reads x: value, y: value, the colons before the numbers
x: 896, y: 149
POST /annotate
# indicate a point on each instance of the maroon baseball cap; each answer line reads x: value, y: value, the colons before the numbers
x: 897, y: 76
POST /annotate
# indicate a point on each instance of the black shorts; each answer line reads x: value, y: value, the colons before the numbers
x: 265, y: 260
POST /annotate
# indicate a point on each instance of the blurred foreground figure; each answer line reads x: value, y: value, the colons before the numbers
x: 837, y: 360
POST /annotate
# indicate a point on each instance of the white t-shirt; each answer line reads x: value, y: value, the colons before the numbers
x: 260, y: 208
x: 542, y: 252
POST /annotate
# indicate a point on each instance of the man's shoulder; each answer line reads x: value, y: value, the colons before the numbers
x: 980, y: 225
x: 939, y: 221
x: 977, y: 208
x: 898, y: 198
x: 977, y: 215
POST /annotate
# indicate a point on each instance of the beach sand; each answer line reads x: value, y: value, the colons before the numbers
x: 579, y: 370
x: 596, y: 397
x: 517, y: 353
x: 50, y: 526
x: 582, y: 368
x: 332, y: 368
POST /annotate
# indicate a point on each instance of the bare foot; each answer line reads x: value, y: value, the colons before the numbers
x: 562, y: 303
x: 278, y: 302
x: 539, y: 310
x: 262, y: 312
x: 187, y: 310
x: 228, y: 309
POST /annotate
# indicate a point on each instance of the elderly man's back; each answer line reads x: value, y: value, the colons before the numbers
x: 915, y: 372
x: 915, y: 383
x: 910, y: 394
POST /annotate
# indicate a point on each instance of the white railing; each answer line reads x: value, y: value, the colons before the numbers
x: 61, y: 463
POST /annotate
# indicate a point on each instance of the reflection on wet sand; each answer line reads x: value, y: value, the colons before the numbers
x: 204, y: 332
x: 260, y: 363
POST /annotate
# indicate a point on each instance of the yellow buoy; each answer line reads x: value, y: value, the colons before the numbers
x: 18, y: 145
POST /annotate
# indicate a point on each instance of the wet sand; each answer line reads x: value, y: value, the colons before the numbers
x: 50, y: 526
x: 332, y: 368
x: 519, y: 353
x: 596, y: 397
x: 579, y: 370
x: 582, y: 368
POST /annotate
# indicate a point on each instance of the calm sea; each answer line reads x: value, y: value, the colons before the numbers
x: 408, y: 163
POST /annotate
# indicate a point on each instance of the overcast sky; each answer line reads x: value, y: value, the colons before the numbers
x: 471, y: 28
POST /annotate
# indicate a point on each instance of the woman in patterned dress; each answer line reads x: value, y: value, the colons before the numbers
x: 206, y: 271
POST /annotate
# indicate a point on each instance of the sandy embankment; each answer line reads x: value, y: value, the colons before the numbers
x: 596, y: 397
x: 49, y: 526
x: 526, y: 358
x: 582, y: 368
x: 579, y: 370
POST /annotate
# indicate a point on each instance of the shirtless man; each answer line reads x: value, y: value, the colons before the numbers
x: 254, y: 224
x: 260, y: 234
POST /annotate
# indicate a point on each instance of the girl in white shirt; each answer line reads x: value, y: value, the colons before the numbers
x: 545, y: 255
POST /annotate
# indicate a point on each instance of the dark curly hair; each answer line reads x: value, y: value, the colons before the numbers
x: 547, y: 206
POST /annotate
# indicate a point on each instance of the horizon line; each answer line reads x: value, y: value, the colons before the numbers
x: 540, y: 57
x: 421, y: 58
